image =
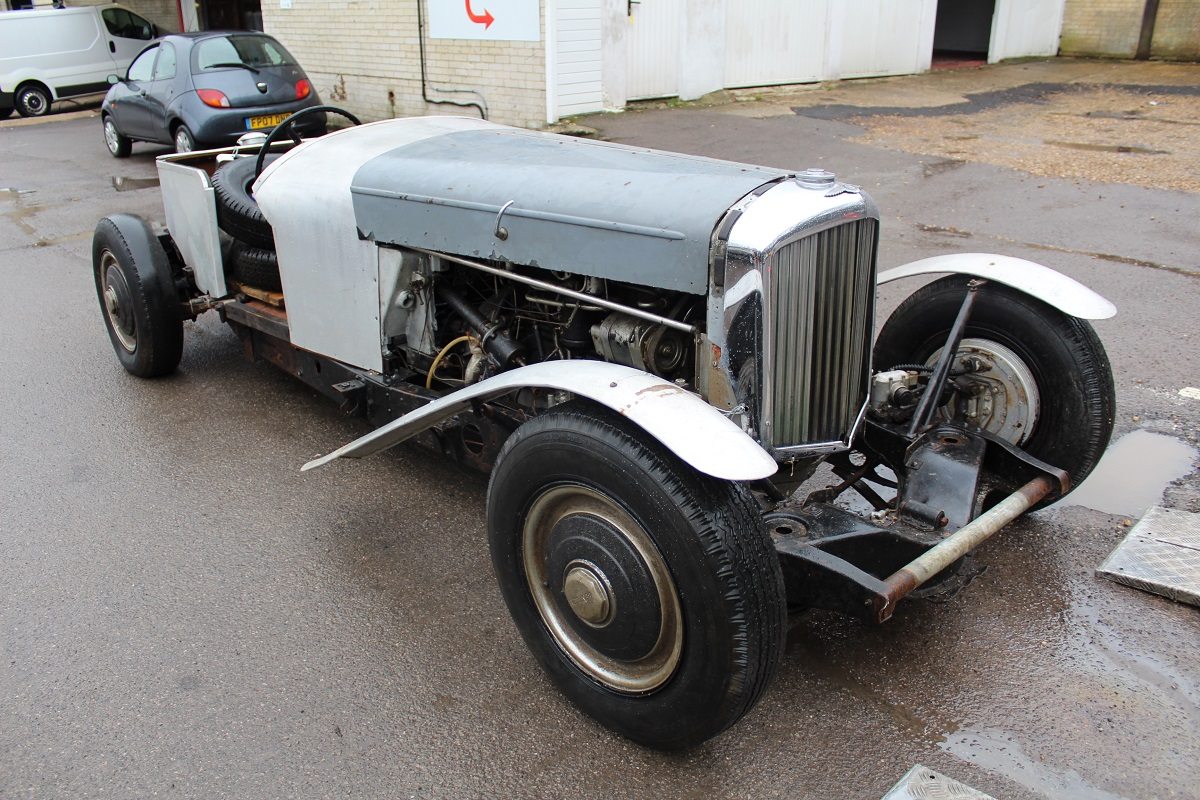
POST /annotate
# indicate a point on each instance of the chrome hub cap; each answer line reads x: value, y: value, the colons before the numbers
x: 602, y: 589
x: 110, y: 135
x: 117, y: 302
x: 183, y: 144
x: 1000, y: 396
x: 588, y: 594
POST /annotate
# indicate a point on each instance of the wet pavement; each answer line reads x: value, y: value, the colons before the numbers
x: 187, y: 615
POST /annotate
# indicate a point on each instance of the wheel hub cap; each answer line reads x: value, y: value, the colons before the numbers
x: 117, y: 302
x: 602, y: 588
x: 588, y: 594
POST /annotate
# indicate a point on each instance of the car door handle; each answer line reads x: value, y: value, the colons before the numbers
x: 142, y: 93
x: 112, y: 46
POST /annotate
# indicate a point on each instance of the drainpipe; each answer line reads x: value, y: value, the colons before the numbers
x: 479, y: 104
x: 1149, y: 17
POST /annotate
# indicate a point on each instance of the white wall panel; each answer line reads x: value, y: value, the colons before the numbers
x: 774, y: 41
x: 879, y: 37
x: 653, y: 39
x: 574, y: 76
x: 1025, y: 28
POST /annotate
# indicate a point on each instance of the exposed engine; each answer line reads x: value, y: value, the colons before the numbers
x: 458, y: 326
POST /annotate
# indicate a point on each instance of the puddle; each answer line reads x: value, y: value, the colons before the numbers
x: 1133, y: 473
x: 122, y: 184
x: 10, y: 195
x: 1110, y: 148
x: 996, y: 752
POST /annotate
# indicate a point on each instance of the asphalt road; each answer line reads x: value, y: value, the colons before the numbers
x: 185, y: 615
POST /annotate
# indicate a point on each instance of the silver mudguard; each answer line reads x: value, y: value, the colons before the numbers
x: 1066, y: 294
x: 686, y: 425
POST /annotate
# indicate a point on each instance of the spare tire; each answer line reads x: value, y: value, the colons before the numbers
x: 254, y: 266
x: 237, y: 212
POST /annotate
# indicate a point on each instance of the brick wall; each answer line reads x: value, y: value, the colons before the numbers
x: 363, y: 55
x: 1177, y: 30
x: 1102, y: 27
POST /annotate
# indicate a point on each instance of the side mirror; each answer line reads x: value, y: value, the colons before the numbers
x: 113, y: 80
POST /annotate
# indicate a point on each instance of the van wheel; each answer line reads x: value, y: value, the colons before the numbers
x: 118, y: 144
x: 33, y: 101
x: 5, y: 113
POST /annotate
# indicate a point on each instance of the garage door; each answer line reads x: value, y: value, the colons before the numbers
x: 769, y: 42
x: 575, y: 77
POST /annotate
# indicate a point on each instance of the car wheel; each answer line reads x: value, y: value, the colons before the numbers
x: 119, y: 145
x: 237, y: 212
x: 137, y: 296
x: 184, y: 141
x: 254, y: 266
x: 649, y: 593
x: 1047, y: 386
x: 33, y: 101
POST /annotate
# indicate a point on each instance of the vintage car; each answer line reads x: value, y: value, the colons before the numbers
x: 651, y: 353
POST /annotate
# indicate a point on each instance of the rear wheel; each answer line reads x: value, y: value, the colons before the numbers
x: 33, y: 101
x: 1043, y: 384
x: 119, y: 145
x: 137, y: 297
x: 184, y: 141
x: 649, y: 593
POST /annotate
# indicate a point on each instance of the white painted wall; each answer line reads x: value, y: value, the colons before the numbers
x: 771, y: 42
x: 1025, y: 28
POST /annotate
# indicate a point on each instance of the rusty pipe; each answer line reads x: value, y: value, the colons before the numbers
x: 904, y: 580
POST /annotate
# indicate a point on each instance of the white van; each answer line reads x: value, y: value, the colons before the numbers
x: 55, y: 53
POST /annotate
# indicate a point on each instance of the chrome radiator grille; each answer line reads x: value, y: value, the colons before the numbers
x: 821, y: 301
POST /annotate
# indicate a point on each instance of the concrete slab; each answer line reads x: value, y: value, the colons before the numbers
x: 1160, y: 555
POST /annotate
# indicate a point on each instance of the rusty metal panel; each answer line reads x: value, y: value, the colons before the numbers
x: 1160, y: 555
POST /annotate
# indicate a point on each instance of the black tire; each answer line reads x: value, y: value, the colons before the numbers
x: 119, y: 145
x: 5, y: 113
x: 254, y: 266
x: 237, y: 212
x: 1062, y: 353
x: 723, y: 604
x: 183, y: 139
x: 137, y: 296
x: 33, y: 100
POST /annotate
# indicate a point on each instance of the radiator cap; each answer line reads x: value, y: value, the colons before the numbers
x: 815, y: 178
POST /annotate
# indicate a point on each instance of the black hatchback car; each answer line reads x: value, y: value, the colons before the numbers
x: 206, y: 89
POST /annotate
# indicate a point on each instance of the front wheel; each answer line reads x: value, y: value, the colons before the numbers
x: 649, y: 593
x: 118, y: 144
x: 1040, y: 378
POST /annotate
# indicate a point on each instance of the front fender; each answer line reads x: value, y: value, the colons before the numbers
x: 1066, y: 294
x: 686, y: 425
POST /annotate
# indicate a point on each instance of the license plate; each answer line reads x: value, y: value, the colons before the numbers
x: 265, y: 121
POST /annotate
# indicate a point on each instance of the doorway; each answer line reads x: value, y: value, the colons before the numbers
x: 962, y: 32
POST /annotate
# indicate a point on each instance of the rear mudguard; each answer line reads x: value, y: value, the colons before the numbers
x: 686, y: 425
x: 1066, y: 294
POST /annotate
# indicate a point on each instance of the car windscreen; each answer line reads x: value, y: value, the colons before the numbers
x: 238, y: 50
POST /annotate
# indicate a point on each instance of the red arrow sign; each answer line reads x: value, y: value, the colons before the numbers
x: 486, y: 18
